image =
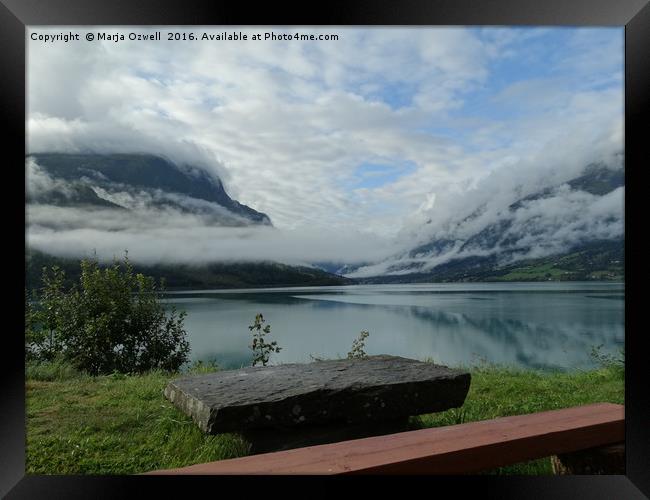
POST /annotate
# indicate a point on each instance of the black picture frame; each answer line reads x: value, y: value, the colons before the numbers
x: 15, y: 15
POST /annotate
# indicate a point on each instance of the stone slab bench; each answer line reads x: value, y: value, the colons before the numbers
x: 582, y: 431
x: 320, y: 397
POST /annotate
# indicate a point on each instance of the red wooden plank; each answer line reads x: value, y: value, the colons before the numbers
x: 455, y: 449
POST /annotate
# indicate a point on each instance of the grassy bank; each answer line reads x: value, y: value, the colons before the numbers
x: 117, y: 424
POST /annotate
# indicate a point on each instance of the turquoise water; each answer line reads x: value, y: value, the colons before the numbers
x: 531, y: 325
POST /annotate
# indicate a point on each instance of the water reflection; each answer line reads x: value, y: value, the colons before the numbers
x: 535, y: 327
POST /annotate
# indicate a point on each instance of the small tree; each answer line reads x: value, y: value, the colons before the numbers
x: 112, y: 320
x: 358, y: 344
x: 261, y: 350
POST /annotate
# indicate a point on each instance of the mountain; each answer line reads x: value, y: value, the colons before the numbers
x: 133, y: 182
x: 598, y: 260
x: 136, y: 192
x: 571, y: 231
x: 338, y: 267
x: 218, y: 275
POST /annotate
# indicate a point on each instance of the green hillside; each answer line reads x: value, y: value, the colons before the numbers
x: 206, y: 276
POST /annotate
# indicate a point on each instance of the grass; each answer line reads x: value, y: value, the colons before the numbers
x: 122, y: 424
x: 115, y: 424
x: 543, y: 271
x: 502, y: 391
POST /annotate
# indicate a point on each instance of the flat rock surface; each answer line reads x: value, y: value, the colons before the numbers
x: 372, y: 389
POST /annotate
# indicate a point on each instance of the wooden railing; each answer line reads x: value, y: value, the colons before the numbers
x: 455, y: 449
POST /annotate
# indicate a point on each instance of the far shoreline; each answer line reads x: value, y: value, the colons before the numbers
x: 280, y: 287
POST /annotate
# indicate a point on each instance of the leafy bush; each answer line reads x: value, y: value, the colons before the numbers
x: 111, y: 321
x: 358, y: 344
x: 261, y: 350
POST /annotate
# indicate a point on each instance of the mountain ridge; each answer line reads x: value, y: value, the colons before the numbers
x: 505, y: 248
x: 145, y: 178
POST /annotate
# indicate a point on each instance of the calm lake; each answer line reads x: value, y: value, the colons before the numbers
x: 531, y: 325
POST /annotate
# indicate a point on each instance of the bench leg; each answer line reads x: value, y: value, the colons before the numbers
x: 601, y: 460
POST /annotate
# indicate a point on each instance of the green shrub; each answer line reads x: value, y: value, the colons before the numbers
x: 111, y: 321
x: 358, y: 344
x: 261, y: 350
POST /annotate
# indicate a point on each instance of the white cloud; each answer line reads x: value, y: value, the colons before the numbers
x: 167, y: 235
x: 285, y: 124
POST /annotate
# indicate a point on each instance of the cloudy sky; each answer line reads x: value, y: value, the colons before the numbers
x: 366, y: 136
